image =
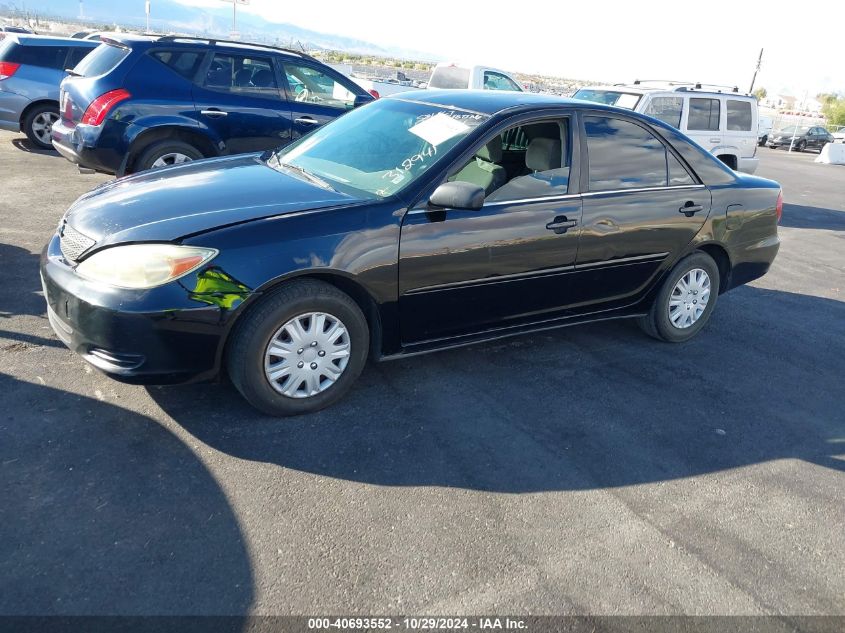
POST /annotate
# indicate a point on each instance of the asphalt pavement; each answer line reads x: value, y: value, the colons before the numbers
x: 588, y: 470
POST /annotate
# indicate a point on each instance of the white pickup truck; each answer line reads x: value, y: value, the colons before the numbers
x: 452, y: 76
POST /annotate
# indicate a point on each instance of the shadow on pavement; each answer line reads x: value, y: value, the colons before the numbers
x: 579, y: 408
x: 20, y: 292
x: 800, y: 217
x: 103, y: 511
x: 25, y: 145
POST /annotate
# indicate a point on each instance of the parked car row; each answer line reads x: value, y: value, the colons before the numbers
x: 801, y: 137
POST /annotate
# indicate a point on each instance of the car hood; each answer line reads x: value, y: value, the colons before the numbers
x: 171, y: 203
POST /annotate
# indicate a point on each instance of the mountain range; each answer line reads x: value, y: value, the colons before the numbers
x: 170, y: 16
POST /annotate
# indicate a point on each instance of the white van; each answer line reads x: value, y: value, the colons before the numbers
x: 453, y: 76
x: 721, y: 120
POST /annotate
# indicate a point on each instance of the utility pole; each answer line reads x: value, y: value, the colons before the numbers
x: 147, y: 9
x: 756, y: 70
x: 235, y: 35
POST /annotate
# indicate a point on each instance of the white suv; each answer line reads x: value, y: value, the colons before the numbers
x: 723, y: 122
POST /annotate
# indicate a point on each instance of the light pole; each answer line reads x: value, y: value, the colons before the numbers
x: 147, y: 9
x: 235, y: 35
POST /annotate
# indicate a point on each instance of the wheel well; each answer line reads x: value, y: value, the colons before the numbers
x: 145, y: 139
x: 355, y: 291
x: 723, y: 262
x: 729, y: 160
x: 34, y: 105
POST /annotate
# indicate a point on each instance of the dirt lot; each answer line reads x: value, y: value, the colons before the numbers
x: 587, y: 470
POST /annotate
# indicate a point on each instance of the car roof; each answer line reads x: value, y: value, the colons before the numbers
x: 494, y: 101
x: 27, y: 39
x: 131, y: 39
x: 673, y: 89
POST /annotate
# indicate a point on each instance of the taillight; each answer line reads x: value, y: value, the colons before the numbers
x: 100, y: 107
x: 779, y: 205
x: 7, y: 69
x: 374, y: 93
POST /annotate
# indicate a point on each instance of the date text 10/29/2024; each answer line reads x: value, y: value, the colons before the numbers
x: 417, y: 624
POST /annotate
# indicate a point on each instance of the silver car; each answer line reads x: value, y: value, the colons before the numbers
x: 31, y: 69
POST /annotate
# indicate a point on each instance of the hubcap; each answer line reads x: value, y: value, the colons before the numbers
x: 42, y: 126
x: 307, y: 355
x: 689, y: 298
x: 173, y: 158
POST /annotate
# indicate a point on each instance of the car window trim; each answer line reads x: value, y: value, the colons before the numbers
x: 585, y: 156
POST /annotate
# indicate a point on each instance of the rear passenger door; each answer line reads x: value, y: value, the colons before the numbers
x: 741, y: 126
x: 316, y: 95
x: 641, y: 208
x: 702, y: 121
x: 239, y: 100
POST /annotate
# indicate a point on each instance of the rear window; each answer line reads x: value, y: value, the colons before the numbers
x: 449, y: 77
x: 703, y: 114
x: 41, y: 56
x: 185, y: 63
x: 104, y: 59
x: 616, y: 98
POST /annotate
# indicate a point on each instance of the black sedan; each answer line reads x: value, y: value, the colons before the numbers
x: 801, y: 137
x: 409, y: 225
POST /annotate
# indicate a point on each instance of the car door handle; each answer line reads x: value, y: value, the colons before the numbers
x: 306, y: 120
x: 213, y: 112
x: 561, y: 224
x: 690, y: 208
x: 715, y: 140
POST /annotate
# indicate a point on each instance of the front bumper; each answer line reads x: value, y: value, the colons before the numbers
x: 157, y: 336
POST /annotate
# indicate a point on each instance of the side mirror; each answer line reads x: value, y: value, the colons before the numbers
x: 458, y: 195
x: 361, y: 100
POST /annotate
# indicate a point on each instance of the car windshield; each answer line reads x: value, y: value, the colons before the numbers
x: 609, y: 97
x: 378, y: 149
x: 792, y: 130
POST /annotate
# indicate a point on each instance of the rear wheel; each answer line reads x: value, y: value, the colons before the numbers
x: 38, y: 125
x: 167, y: 153
x: 800, y: 146
x: 299, y: 350
x: 685, y: 300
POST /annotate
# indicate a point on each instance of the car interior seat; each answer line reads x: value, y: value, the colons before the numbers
x: 263, y: 79
x: 547, y: 175
x: 483, y: 170
x: 243, y: 78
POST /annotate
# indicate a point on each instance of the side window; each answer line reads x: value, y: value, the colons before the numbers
x: 623, y: 155
x: 184, y: 63
x: 76, y: 55
x: 667, y: 109
x: 241, y: 74
x: 44, y: 56
x: 739, y: 115
x: 310, y: 85
x: 498, y: 81
x: 536, y: 165
x: 703, y: 114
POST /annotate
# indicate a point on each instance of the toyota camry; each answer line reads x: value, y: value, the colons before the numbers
x: 412, y: 224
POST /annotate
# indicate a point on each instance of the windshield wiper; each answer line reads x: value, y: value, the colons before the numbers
x: 308, y: 175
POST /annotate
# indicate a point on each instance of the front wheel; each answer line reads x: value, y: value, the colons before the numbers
x: 800, y: 146
x: 685, y: 300
x: 299, y: 350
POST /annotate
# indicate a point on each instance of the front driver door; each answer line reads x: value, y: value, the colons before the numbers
x: 510, y: 262
x: 642, y: 208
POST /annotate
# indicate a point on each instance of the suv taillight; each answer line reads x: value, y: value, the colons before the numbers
x: 779, y: 205
x: 7, y: 69
x: 100, y: 107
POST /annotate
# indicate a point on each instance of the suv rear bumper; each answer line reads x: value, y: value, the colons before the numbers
x: 12, y: 106
x: 748, y: 165
x: 83, y: 146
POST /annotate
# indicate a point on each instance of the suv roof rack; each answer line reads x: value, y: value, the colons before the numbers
x: 681, y: 86
x: 213, y: 41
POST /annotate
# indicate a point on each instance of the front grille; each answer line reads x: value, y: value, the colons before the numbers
x: 73, y: 243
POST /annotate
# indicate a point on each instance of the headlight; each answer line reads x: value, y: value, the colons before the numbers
x: 143, y: 265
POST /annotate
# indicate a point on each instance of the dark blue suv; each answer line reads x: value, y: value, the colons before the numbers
x: 140, y: 102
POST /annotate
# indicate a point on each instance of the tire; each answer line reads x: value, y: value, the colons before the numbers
x: 250, y: 363
x: 38, y: 123
x: 659, y: 324
x: 167, y: 153
x: 762, y: 141
x: 800, y: 146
